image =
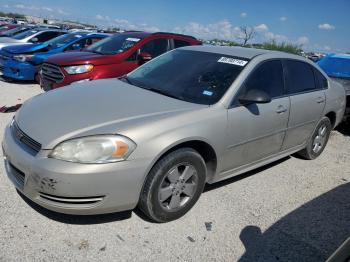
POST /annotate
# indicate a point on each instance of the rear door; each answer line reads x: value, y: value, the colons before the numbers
x: 307, y: 101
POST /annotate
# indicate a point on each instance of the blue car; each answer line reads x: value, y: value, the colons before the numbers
x: 337, y: 66
x: 22, y: 62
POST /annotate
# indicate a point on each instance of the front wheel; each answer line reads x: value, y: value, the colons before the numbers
x: 173, y: 185
x: 318, y: 140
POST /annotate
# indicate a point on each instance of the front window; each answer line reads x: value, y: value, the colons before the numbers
x: 14, y: 31
x: 192, y: 76
x: 25, y: 34
x: 114, y: 44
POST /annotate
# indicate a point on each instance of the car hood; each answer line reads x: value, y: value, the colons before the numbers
x: 105, y: 106
x: 81, y: 57
x: 25, y: 48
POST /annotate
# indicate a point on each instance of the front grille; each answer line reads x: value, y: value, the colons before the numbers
x: 16, y: 174
x: 71, y: 201
x: 24, y: 140
x: 51, y: 73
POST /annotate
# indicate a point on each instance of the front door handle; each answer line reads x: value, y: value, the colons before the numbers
x: 281, y: 109
x: 320, y: 100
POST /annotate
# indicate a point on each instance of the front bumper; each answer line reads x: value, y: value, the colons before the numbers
x: 18, y: 70
x: 72, y: 188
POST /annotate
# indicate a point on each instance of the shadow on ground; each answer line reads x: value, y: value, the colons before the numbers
x: 344, y: 128
x: 17, y: 82
x: 310, y: 233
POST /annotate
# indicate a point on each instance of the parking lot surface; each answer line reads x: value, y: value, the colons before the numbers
x: 292, y: 210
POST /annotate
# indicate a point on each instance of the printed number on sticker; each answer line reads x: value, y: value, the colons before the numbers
x: 232, y: 61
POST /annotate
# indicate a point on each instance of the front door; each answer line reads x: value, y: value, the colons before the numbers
x: 256, y: 131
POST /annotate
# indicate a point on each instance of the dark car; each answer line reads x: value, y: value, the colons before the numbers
x: 112, y: 57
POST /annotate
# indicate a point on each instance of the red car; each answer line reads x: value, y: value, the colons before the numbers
x: 114, y: 56
x: 6, y: 27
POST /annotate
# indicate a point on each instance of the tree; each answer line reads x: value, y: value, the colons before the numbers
x: 246, y: 34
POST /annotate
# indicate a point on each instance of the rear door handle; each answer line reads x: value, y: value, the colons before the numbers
x: 281, y: 109
x: 320, y: 100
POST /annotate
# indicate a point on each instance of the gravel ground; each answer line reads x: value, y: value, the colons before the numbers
x: 292, y: 210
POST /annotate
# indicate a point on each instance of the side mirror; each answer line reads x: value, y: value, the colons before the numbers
x: 34, y: 40
x: 255, y: 96
x: 143, y: 58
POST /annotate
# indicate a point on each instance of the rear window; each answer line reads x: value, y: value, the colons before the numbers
x: 299, y: 77
x: 321, y: 81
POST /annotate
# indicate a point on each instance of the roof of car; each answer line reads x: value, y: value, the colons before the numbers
x: 142, y: 34
x: 243, y: 52
x: 345, y: 56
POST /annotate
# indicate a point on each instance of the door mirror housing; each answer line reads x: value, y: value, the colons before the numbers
x: 143, y: 58
x: 255, y: 96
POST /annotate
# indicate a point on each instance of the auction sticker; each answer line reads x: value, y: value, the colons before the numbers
x: 232, y: 61
x: 133, y: 39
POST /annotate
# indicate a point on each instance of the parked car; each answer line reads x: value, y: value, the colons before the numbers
x: 6, y: 27
x: 22, y: 62
x: 337, y: 67
x: 111, y: 57
x: 15, y: 31
x: 35, y: 35
x: 195, y: 115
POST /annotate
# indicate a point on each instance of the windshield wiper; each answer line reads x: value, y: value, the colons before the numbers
x: 162, y: 92
x: 126, y: 79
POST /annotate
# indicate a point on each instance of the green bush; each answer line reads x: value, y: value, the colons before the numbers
x: 284, y: 47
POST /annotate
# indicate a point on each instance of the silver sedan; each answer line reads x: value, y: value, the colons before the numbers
x: 155, y: 137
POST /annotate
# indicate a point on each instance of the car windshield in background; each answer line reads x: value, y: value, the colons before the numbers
x: 63, y: 40
x: 14, y: 31
x: 336, y: 66
x: 196, y: 77
x: 114, y: 45
x: 25, y: 34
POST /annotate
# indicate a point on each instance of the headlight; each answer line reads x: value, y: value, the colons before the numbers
x: 94, y: 149
x: 22, y: 58
x: 73, y: 70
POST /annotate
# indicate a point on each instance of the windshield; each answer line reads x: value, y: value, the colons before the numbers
x: 25, y: 34
x: 63, y: 40
x: 336, y: 66
x: 114, y: 44
x: 192, y: 76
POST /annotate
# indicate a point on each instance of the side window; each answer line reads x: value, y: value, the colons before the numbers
x: 45, y: 36
x: 77, y: 45
x: 267, y: 77
x: 180, y: 43
x: 299, y: 77
x: 321, y: 81
x: 155, y: 47
x: 133, y: 57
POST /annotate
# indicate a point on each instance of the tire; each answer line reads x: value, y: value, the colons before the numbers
x: 318, y: 140
x: 173, y: 185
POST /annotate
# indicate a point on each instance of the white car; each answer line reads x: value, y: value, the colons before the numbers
x: 36, y: 35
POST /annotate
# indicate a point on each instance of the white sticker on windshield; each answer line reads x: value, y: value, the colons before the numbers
x: 232, y: 61
x: 133, y: 39
x: 78, y: 36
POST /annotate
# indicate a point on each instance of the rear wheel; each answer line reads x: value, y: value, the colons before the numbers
x: 318, y: 140
x: 173, y: 185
